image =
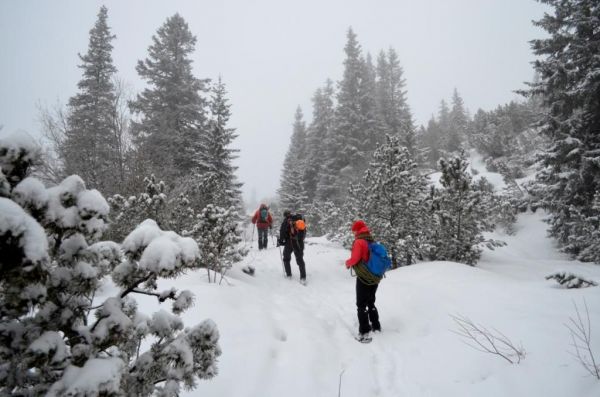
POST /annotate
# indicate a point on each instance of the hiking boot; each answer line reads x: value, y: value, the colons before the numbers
x: 364, y: 338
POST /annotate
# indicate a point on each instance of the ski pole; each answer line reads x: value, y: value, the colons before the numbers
x: 281, y: 257
x: 252, y: 238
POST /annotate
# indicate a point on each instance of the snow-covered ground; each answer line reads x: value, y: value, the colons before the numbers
x: 280, y: 338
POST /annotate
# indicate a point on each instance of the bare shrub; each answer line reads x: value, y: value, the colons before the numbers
x: 485, y: 340
x: 581, y: 335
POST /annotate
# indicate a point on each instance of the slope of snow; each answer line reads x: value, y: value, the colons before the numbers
x: 281, y: 338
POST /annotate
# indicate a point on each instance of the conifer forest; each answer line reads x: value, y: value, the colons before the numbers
x: 156, y: 158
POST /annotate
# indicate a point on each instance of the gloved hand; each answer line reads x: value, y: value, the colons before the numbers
x: 280, y: 242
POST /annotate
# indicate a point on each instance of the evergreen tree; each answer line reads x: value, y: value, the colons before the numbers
x: 444, y: 126
x: 444, y: 117
x: 461, y: 216
x: 507, y: 139
x: 91, y: 148
x: 345, y: 147
x: 589, y: 236
x: 131, y: 211
x: 55, y: 329
x: 430, y: 142
x: 216, y: 231
x: 569, y: 87
x: 392, y: 102
x: 292, y: 192
x: 393, y: 201
x: 317, y: 134
x: 458, y: 124
x: 370, y: 126
x: 216, y: 159
x: 172, y: 114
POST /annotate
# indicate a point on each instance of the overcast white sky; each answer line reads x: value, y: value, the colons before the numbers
x: 273, y: 54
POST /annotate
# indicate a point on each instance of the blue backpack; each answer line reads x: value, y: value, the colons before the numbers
x: 264, y: 213
x: 379, y: 261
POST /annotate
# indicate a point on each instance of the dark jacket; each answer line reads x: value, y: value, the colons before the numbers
x: 287, y: 233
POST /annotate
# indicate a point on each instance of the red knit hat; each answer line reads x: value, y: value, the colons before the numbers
x: 359, y: 226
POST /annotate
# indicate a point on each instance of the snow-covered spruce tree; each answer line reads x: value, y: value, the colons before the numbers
x: 131, y: 211
x: 345, y: 154
x: 91, y: 147
x: 392, y: 198
x: 507, y: 139
x: 172, y: 114
x: 323, y: 218
x: 457, y: 132
x: 393, y: 107
x: 318, y: 131
x: 460, y: 216
x: 172, y: 210
x: 218, y: 236
x: 568, y: 67
x: 433, y: 139
x: 56, y: 338
x: 371, y: 126
x: 216, y: 158
x: 292, y: 193
x: 429, y: 139
x: 339, y: 221
x: 502, y: 207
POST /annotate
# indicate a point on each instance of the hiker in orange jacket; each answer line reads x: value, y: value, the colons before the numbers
x: 264, y: 221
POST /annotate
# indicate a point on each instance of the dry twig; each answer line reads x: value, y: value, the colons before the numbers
x: 484, y: 340
x: 581, y: 336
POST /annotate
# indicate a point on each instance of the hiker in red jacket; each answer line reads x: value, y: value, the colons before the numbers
x: 264, y: 221
x: 366, y: 284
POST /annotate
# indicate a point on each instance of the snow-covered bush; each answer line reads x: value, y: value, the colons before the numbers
x: 462, y: 213
x: 570, y: 280
x: 324, y: 218
x: 501, y: 208
x: 56, y: 339
x: 218, y: 236
x: 130, y: 211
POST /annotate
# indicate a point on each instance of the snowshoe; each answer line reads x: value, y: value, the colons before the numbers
x: 249, y: 270
x: 303, y: 281
x: 364, y: 338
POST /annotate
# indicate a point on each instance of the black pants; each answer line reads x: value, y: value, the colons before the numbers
x: 297, y: 247
x: 263, y: 238
x: 365, y: 307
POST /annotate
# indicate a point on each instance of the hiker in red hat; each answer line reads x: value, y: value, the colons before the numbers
x: 366, y: 283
